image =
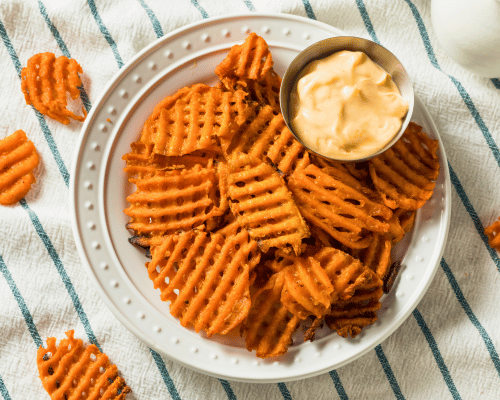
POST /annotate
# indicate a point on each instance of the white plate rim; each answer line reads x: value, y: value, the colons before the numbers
x: 77, y: 165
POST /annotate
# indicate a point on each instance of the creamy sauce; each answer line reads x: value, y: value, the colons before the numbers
x: 346, y: 107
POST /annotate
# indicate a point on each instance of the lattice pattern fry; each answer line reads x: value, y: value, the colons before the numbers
x: 205, y: 277
x: 45, y: 82
x: 269, y: 326
x: 175, y: 200
x: 18, y: 159
x: 263, y: 205
x: 405, y: 175
x: 70, y: 371
x: 341, y: 210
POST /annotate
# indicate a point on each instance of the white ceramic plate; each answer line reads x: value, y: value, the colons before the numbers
x: 99, y: 187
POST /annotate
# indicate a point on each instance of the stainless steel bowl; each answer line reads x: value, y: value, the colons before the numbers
x: 324, y: 48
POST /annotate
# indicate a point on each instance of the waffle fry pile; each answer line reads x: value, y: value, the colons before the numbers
x: 247, y: 231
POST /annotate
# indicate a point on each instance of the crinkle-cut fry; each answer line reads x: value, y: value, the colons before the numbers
x: 18, y: 159
x: 377, y: 256
x: 345, y: 272
x: 405, y: 175
x: 269, y: 325
x: 205, y: 277
x: 267, y: 136
x: 192, y: 118
x: 45, y: 82
x: 250, y: 60
x: 71, y: 371
x: 349, y: 317
x: 339, y: 209
x: 493, y: 236
x: 142, y: 162
x: 262, y: 204
x: 176, y: 200
x: 307, y: 288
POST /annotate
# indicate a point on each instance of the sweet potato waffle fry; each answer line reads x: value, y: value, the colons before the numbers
x: 349, y: 317
x: 45, y: 82
x: 247, y: 231
x: 175, y: 200
x: 492, y: 233
x: 267, y: 136
x: 377, y: 256
x: 18, y: 159
x: 263, y: 205
x: 342, y: 211
x: 307, y: 288
x: 251, y: 60
x: 208, y: 278
x: 192, y: 119
x: 142, y: 162
x: 269, y: 326
x: 405, y: 175
x: 71, y: 371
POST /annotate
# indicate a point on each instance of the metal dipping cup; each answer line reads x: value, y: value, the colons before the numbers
x: 379, y: 54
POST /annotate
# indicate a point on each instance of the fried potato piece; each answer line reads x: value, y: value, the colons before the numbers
x: 377, y: 256
x: 142, y: 162
x: 45, y: 82
x: 71, y: 371
x: 405, y: 175
x: 262, y: 204
x: 265, y: 90
x: 192, y: 118
x: 492, y: 233
x: 176, y: 200
x: 406, y: 218
x: 307, y: 288
x: 267, y: 137
x: 18, y: 159
x: 269, y: 325
x: 345, y: 272
x: 205, y: 277
x: 340, y: 209
x: 250, y: 60
x: 349, y: 317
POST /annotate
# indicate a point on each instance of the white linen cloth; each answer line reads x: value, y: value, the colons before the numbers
x: 447, y: 349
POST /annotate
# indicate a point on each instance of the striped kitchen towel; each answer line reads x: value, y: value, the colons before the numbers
x: 446, y: 349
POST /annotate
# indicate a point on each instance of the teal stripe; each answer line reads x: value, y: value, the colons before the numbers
x: 62, y: 272
x: 200, y: 9
x: 338, y: 385
x: 473, y: 214
x: 367, y: 20
x: 227, y: 387
x: 461, y: 90
x: 165, y: 375
x: 437, y: 354
x: 284, y: 391
x: 105, y: 33
x: 309, y: 9
x: 3, y: 390
x: 21, y: 303
x: 64, y: 50
x: 153, y: 19
x: 468, y: 310
x: 388, y: 372
x: 496, y: 82
x: 45, y: 129
x: 249, y: 5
